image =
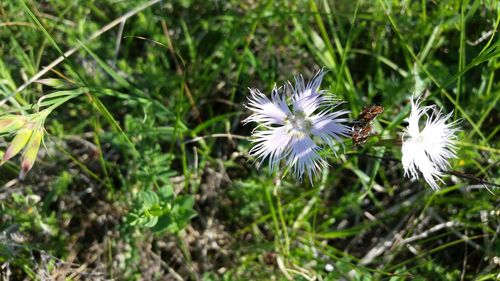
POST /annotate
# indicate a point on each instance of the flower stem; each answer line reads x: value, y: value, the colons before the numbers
x: 282, y: 219
x: 273, y: 215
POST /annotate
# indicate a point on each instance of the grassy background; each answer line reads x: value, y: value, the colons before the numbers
x: 163, y: 104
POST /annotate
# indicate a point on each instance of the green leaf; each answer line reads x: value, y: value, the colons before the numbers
x: 185, y: 202
x: 149, y: 199
x: 165, y: 224
x: 166, y: 193
x: 151, y: 222
x: 212, y: 121
x: 186, y: 216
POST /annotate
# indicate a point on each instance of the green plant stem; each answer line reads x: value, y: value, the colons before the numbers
x: 276, y: 224
x: 282, y: 220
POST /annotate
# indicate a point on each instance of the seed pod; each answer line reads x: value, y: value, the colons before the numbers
x: 31, y: 152
x: 11, y: 123
x: 18, y: 143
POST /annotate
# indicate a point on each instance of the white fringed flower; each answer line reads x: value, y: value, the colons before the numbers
x: 428, y: 150
x: 290, y: 133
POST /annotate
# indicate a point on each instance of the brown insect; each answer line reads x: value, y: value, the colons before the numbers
x: 369, y: 113
x: 360, y: 134
x: 270, y: 258
x: 362, y: 128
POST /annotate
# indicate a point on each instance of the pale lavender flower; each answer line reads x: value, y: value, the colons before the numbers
x: 289, y: 130
x: 428, y: 150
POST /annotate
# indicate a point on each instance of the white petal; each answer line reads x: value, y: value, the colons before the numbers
x: 429, y: 170
x: 329, y: 127
x: 415, y: 114
x: 414, y: 158
x: 272, y: 143
x: 267, y: 111
x: 304, y: 157
x: 409, y: 151
x: 307, y: 98
x: 439, y: 139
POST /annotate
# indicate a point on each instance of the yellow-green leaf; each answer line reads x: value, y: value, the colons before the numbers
x: 31, y: 152
x: 11, y: 123
x: 18, y: 143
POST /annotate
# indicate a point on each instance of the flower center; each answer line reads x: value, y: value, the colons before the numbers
x: 420, y: 139
x: 297, y: 124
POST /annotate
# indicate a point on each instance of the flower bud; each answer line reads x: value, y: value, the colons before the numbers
x: 11, y: 123
x: 18, y: 143
x: 29, y: 155
x: 53, y: 82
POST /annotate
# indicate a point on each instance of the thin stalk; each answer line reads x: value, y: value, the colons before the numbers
x: 282, y: 220
x: 461, y: 59
x: 277, y: 241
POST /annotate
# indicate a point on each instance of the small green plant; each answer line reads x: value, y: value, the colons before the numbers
x: 162, y: 211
